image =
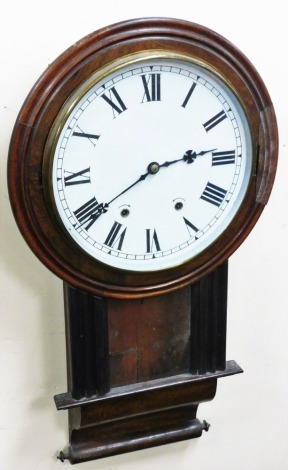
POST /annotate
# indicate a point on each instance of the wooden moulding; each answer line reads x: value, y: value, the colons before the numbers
x: 138, y: 416
x: 112, y: 342
x: 137, y: 370
x: 28, y: 178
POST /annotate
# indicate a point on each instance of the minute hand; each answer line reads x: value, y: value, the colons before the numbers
x: 142, y: 178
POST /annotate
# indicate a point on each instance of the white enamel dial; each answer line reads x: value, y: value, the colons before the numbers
x: 151, y: 164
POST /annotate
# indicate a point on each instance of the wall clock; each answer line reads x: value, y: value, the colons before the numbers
x: 140, y: 161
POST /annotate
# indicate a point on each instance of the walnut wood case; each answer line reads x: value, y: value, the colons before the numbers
x: 33, y: 214
x: 143, y: 349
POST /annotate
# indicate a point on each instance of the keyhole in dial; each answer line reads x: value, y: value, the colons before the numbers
x: 178, y: 206
x: 125, y: 212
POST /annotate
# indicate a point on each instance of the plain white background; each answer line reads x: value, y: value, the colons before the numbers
x: 249, y: 414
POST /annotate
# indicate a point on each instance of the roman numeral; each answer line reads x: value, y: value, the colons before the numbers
x: 77, y: 178
x: 89, y: 212
x: 213, y: 194
x: 114, y: 101
x: 189, y: 95
x: 152, y: 243
x: 214, y: 121
x: 85, y: 135
x: 115, y: 237
x: 152, y: 87
x: 223, y: 158
x: 189, y: 226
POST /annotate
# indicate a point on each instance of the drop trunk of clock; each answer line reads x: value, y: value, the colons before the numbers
x: 138, y: 369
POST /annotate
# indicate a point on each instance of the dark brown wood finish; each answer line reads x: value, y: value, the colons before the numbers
x: 114, y: 343
x: 87, y: 343
x: 208, y: 322
x: 138, y: 369
x: 33, y: 212
x: 131, y: 418
x: 149, y: 339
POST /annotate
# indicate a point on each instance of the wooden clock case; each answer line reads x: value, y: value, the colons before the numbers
x: 143, y: 349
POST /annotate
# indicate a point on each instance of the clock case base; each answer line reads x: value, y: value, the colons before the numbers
x: 138, y: 417
x: 137, y: 370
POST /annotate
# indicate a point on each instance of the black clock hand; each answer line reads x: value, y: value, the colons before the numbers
x: 91, y: 211
x: 142, y: 178
x: 189, y: 157
x: 154, y: 167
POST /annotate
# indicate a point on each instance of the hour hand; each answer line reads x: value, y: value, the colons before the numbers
x: 191, y: 155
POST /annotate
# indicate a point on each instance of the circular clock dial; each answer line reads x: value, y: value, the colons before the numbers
x: 151, y: 164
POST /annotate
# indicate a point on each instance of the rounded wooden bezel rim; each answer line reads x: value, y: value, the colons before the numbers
x: 34, y: 216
